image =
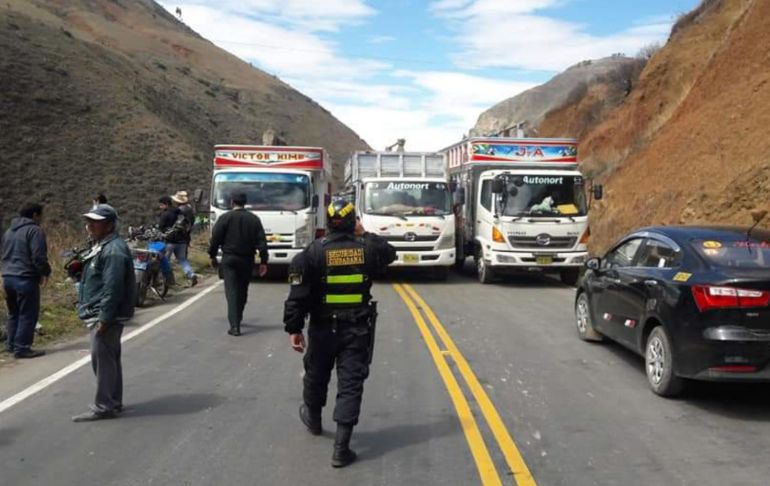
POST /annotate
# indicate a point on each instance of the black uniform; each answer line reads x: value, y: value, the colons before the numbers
x: 331, y: 281
x: 240, y: 234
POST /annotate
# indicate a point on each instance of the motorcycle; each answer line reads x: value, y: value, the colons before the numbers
x: 148, y: 263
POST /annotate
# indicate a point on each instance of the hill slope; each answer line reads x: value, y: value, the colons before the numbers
x: 118, y: 96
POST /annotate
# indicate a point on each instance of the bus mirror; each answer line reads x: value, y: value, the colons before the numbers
x: 459, y: 196
x: 498, y: 186
x: 314, y: 201
x: 598, y: 192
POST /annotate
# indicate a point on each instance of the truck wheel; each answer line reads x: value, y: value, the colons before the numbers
x: 659, y: 364
x: 585, y: 325
x: 570, y: 276
x: 485, y: 273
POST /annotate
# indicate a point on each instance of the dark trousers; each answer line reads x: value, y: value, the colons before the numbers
x: 348, y: 348
x: 105, y: 360
x: 236, y: 272
x: 22, y: 296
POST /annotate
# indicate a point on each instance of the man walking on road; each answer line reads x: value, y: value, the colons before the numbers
x: 331, y: 281
x: 240, y: 235
x: 25, y: 269
x: 105, y: 304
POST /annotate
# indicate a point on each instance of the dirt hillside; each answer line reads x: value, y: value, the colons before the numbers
x: 118, y: 96
x: 691, y: 144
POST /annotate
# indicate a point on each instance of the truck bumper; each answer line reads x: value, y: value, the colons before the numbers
x: 282, y: 256
x: 438, y: 258
x: 516, y: 260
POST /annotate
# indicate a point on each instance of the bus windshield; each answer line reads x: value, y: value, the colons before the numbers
x: 265, y: 191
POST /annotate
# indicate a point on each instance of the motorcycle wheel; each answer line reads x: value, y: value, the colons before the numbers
x: 161, y: 284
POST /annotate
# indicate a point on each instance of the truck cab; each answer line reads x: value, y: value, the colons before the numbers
x: 284, y: 186
x: 524, y: 206
x: 405, y: 198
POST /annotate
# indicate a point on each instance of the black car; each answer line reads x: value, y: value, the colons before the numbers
x: 694, y: 301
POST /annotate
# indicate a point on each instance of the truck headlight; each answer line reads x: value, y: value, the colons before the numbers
x: 302, y: 237
x: 446, y: 242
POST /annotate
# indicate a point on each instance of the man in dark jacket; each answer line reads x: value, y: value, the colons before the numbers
x: 105, y: 304
x: 240, y: 235
x: 331, y: 281
x: 25, y: 269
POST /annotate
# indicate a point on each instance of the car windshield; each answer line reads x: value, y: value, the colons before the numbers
x: 407, y: 198
x: 542, y: 195
x: 264, y: 191
x: 731, y: 253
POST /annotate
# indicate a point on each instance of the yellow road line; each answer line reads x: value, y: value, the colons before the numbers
x: 511, y: 453
x: 486, y: 468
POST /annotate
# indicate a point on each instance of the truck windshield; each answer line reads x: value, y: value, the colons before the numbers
x: 542, y: 195
x: 407, y: 198
x: 264, y: 191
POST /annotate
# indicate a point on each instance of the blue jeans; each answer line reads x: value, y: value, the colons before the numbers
x: 22, y: 296
x: 179, y: 250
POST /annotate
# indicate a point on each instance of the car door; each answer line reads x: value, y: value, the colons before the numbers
x: 606, y: 288
x: 642, y: 285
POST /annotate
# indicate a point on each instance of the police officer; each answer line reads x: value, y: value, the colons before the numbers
x: 331, y: 281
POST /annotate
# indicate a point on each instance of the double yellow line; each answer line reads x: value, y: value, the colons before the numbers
x: 486, y: 468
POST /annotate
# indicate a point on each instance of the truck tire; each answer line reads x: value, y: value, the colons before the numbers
x: 570, y: 276
x: 485, y: 273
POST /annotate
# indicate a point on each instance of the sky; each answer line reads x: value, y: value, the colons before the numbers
x: 423, y: 70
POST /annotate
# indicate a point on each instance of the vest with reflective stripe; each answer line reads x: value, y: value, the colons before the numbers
x: 345, y: 281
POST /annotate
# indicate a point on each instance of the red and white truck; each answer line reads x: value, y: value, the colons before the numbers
x: 287, y: 187
x: 522, y: 205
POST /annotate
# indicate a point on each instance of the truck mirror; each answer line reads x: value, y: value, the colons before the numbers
x: 598, y: 192
x: 198, y: 196
x: 498, y: 186
x: 459, y: 196
x: 314, y: 201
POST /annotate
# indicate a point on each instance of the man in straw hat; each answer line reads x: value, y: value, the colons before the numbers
x: 179, y: 245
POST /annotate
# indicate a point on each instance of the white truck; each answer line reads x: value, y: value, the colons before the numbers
x: 522, y: 205
x: 405, y: 198
x: 287, y: 187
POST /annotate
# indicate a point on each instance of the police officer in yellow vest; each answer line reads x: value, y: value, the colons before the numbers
x: 331, y: 281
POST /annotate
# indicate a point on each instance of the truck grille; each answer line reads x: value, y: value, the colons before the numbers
x: 280, y: 241
x: 539, y: 242
x: 416, y: 238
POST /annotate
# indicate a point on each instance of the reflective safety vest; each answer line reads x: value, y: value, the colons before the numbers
x: 345, y: 281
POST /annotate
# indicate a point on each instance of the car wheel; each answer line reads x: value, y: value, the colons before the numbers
x: 485, y: 273
x: 583, y: 321
x: 659, y: 364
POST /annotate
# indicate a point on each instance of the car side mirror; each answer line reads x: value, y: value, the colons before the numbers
x: 598, y: 192
x: 594, y: 264
x: 314, y: 201
x: 498, y: 186
x: 459, y: 196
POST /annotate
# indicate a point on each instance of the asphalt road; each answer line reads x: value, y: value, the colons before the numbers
x: 205, y: 408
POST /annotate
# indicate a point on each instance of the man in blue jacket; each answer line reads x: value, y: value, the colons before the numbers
x: 105, y: 303
x: 25, y: 269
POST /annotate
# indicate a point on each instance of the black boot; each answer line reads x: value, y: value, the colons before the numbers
x: 234, y: 331
x: 311, y: 419
x: 343, y: 456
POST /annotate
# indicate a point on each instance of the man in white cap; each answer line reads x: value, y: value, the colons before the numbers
x: 105, y: 304
x: 179, y: 245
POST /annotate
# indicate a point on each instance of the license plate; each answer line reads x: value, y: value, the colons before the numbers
x: 544, y: 260
x: 411, y: 258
